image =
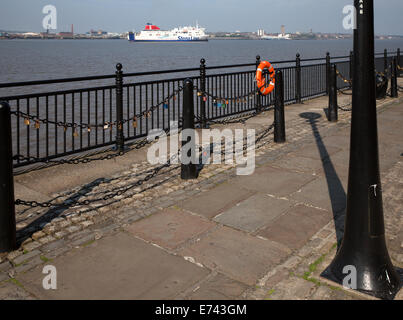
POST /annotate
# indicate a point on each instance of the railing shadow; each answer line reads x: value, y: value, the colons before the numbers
x: 52, y: 213
x: 335, y: 187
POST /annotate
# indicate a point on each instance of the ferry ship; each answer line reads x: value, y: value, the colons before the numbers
x: 154, y: 33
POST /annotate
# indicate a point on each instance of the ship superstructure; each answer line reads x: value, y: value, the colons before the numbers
x: 153, y: 33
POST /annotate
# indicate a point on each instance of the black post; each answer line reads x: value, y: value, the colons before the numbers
x: 351, y: 66
x: 364, y: 246
x: 203, y: 90
x: 279, y: 118
x: 259, y: 96
x: 120, y: 140
x: 298, y: 93
x: 399, y: 65
x: 188, y: 170
x: 333, y: 106
x: 385, y: 60
x: 327, y: 72
x: 7, y: 206
x: 394, y: 88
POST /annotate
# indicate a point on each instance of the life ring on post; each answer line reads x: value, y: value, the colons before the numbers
x: 261, y: 80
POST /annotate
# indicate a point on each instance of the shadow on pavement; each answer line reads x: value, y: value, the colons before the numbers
x: 335, y: 186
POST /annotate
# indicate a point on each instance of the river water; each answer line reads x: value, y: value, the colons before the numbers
x: 24, y: 60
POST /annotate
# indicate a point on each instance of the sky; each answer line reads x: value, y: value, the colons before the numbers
x: 215, y: 15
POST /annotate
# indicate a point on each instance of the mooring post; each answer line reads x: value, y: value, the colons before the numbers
x: 385, y: 60
x: 279, y: 117
x: 351, y: 66
x: 399, y: 65
x: 393, y: 81
x: 189, y: 156
x: 259, y: 96
x: 327, y: 72
x: 298, y: 94
x: 7, y: 205
x: 363, y: 250
x: 203, y: 97
x: 333, y: 106
x: 120, y: 140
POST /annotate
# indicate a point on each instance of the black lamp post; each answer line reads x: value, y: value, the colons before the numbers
x: 364, y: 245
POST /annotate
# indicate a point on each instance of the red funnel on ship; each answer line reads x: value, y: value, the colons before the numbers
x: 151, y: 26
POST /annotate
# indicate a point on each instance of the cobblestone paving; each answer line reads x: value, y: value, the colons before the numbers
x: 47, y: 234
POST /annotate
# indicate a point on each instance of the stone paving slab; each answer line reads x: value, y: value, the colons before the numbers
x: 253, y: 213
x: 243, y: 257
x: 118, y: 267
x: 295, y: 227
x: 170, y: 228
x: 328, y: 194
x: 312, y: 152
x: 11, y: 290
x: 273, y: 181
x: 307, y: 165
x: 219, y: 287
x: 217, y: 200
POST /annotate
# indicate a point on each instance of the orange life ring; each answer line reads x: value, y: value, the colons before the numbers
x: 261, y: 80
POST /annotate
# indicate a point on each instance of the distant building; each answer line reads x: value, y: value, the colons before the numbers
x: 260, y: 33
x: 97, y: 33
x: 65, y: 35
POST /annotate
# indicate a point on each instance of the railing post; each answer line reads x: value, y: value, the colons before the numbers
x: 298, y: 94
x: 327, y: 72
x: 393, y: 80
x: 120, y: 140
x: 259, y: 96
x: 333, y: 107
x: 385, y: 60
x: 351, y: 65
x: 203, y: 90
x: 399, y: 65
x: 279, y: 117
x: 189, y: 156
x: 7, y: 206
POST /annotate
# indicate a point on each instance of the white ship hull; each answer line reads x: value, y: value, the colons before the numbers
x: 154, y: 34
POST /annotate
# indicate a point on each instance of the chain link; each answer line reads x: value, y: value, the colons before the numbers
x: 343, y: 107
x: 343, y: 78
x: 107, y: 125
x: 251, y: 94
x: 115, y: 193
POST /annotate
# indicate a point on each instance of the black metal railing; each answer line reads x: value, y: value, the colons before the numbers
x: 61, y: 122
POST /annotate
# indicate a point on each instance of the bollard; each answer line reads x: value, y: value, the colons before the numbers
x: 351, y: 66
x: 327, y: 72
x: 394, y: 88
x: 279, y: 118
x: 120, y: 140
x: 259, y: 96
x: 363, y: 249
x: 399, y: 65
x: 298, y: 94
x: 385, y: 60
x: 203, y: 89
x: 333, y: 106
x: 188, y: 169
x: 7, y: 206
